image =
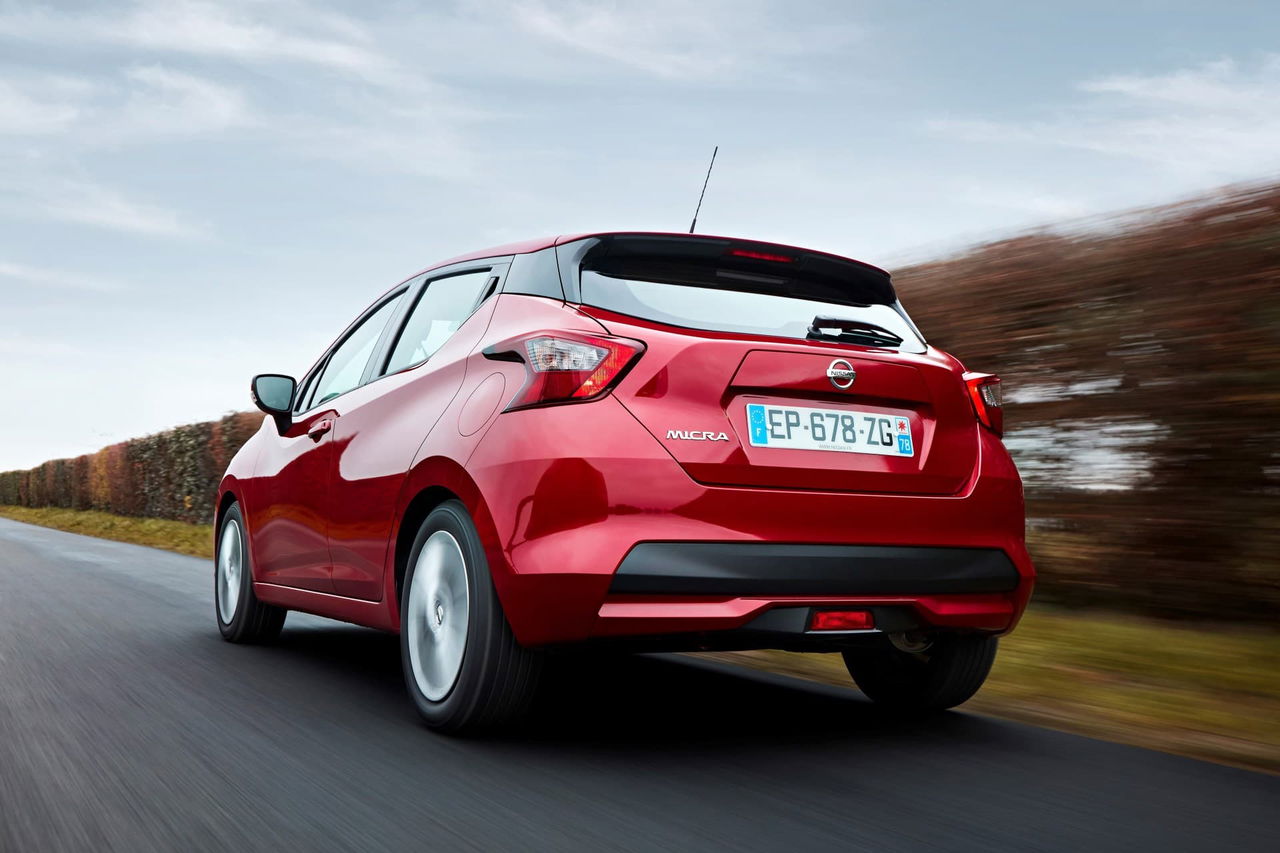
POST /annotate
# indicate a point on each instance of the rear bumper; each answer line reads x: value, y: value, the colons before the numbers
x: 766, y: 568
x: 618, y: 541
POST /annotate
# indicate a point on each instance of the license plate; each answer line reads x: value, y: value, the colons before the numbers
x: 842, y: 430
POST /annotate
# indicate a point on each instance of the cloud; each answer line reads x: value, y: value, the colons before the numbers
x: 226, y: 31
x: 1212, y: 86
x: 1020, y: 198
x: 41, y: 105
x: 142, y: 103
x: 91, y: 204
x: 384, y: 118
x: 45, y: 277
x: 167, y: 101
x: 707, y: 41
x: 22, y: 352
x: 1213, y: 121
x: 39, y: 194
x: 387, y: 114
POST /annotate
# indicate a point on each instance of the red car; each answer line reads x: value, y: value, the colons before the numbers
x: 641, y: 441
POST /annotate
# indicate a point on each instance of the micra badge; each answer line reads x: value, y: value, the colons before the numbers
x: 696, y: 435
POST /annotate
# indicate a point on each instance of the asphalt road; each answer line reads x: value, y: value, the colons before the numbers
x: 127, y: 724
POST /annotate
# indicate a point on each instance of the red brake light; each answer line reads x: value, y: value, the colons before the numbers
x: 984, y: 393
x: 761, y: 256
x: 564, y: 368
x: 842, y: 620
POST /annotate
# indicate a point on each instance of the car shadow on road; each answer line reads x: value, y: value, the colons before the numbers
x: 641, y: 701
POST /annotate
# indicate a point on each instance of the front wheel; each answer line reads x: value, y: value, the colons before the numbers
x: 942, y: 676
x: 462, y: 665
x: 242, y: 618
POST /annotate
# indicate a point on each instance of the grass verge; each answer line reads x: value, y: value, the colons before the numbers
x: 1194, y: 690
x: 193, y: 539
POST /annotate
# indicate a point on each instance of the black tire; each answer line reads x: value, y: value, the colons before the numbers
x: 497, y: 678
x: 944, y: 676
x: 251, y: 620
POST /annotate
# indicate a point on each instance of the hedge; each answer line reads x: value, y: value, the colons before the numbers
x: 172, y: 474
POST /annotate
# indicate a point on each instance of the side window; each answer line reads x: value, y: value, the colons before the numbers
x: 346, y: 365
x: 442, y: 307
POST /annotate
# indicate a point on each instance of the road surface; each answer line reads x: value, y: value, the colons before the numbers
x: 127, y: 724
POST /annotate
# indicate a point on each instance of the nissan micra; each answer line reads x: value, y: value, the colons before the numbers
x: 642, y: 442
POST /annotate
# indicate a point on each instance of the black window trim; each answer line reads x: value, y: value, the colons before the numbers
x: 407, y: 291
x: 318, y: 368
x: 496, y: 267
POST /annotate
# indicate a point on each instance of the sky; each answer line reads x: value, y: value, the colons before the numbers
x: 195, y: 192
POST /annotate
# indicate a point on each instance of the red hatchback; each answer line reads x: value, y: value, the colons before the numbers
x: 642, y: 441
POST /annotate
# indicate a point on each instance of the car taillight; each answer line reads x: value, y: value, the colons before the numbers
x: 566, y: 369
x: 984, y: 392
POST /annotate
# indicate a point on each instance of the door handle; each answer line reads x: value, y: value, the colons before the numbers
x: 317, y: 430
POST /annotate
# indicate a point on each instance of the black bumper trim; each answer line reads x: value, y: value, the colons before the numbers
x: 765, y: 568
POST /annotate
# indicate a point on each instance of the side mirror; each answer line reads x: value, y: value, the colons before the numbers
x: 273, y: 393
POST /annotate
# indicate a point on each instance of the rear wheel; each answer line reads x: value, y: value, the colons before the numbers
x: 242, y: 618
x: 462, y: 665
x: 944, y: 675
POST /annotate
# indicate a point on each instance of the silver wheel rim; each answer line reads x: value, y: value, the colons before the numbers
x: 230, y: 566
x: 439, y: 612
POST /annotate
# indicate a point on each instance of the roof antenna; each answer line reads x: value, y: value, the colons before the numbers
x: 705, y: 180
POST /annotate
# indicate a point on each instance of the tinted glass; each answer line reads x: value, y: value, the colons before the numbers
x: 443, y: 306
x: 700, y: 307
x: 346, y: 366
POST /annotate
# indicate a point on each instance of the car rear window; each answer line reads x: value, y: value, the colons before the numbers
x: 727, y: 286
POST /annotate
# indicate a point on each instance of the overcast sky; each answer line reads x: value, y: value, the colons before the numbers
x: 193, y: 192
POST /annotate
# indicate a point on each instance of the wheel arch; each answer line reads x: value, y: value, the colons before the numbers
x: 419, y: 507
x: 228, y: 493
x: 432, y: 482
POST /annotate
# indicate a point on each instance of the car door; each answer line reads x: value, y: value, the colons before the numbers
x: 383, y: 424
x: 289, y: 515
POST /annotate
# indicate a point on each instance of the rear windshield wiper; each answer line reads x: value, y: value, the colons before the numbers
x: 854, y: 331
